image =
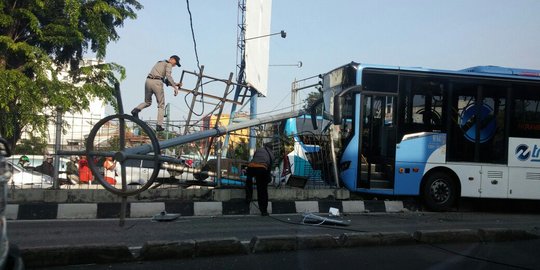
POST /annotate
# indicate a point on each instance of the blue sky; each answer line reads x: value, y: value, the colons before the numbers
x: 441, y: 34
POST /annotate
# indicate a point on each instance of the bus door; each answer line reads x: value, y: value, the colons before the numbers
x: 377, y: 142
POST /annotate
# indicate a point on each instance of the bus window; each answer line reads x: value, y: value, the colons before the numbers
x: 348, y: 114
x: 493, y: 140
x: 478, y: 113
x: 526, y: 112
x: 375, y: 81
x: 462, y: 136
x: 421, y: 101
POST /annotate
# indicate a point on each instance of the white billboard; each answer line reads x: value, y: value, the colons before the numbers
x: 258, y: 14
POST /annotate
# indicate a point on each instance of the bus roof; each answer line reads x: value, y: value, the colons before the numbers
x: 504, y: 71
x: 483, y: 71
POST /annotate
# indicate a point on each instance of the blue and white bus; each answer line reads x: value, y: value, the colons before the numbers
x: 435, y: 133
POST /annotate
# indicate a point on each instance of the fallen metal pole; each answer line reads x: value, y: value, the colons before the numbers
x: 145, y: 149
x: 185, y: 169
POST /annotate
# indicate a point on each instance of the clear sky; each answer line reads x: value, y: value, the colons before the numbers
x: 441, y: 34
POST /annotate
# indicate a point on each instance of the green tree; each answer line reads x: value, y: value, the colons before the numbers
x: 239, y: 150
x: 32, y: 146
x: 311, y: 99
x: 38, y: 39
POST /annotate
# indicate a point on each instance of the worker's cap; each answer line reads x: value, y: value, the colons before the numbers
x: 175, y: 57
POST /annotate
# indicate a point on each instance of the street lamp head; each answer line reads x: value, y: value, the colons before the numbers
x: 283, y: 34
x: 299, y: 65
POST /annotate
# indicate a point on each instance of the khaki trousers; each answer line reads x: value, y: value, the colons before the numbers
x: 154, y: 87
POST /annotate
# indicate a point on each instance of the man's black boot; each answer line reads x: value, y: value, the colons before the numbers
x: 135, y: 113
x: 159, y: 128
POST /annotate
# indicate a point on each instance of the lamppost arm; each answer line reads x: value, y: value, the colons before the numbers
x: 282, y: 33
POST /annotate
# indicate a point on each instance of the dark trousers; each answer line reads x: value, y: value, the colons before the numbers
x: 262, y: 176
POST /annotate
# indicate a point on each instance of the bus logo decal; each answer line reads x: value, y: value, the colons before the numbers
x: 469, y: 119
x: 524, y: 152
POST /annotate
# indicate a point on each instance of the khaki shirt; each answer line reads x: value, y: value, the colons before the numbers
x: 162, y: 69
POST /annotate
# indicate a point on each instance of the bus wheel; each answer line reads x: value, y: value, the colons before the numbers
x: 439, y: 192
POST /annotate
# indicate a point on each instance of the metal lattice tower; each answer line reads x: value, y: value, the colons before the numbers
x: 239, y: 95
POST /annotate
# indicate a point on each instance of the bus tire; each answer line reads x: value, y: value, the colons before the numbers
x: 439, y: 192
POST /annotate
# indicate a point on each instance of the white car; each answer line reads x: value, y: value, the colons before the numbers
x: 23, y: 178
x: 36, y: 160
x: 139, y: 171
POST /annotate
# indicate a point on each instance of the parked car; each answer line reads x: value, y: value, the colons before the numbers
x: 10, y: 258
x: 27, y: 178
x: 138, y: 172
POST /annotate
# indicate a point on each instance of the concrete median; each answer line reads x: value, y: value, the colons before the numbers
x: 215, y: 247
x: 375, y: 239
x: 316, y: 241
x: 502, y: 234
x: 466, y: 235
x: 260, y: 244
x: 447, y: 236
x: 163, y: 250
x: 68, y: 255
x: 191, y: 248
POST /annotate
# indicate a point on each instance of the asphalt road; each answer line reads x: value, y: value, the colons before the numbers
x: 46, y: 233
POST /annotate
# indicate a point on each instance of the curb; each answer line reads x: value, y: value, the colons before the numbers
x: 376, y: 239
x: 447, y: 236
x: 263, y: 244
x: 160, y: 250
x: 53, y: 256
x: 36, y: 211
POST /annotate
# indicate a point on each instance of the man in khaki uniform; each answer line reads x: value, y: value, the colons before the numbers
x: 160, y: 74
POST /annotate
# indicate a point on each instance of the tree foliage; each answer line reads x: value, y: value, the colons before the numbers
x: 239, y: 150
x: 311, y: 99
x: 39, y: 39
x: 32, y: 146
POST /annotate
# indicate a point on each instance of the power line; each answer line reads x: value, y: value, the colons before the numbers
x: 193, y: 35
x: 198, y: 63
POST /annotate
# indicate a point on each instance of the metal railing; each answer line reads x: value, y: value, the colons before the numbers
x: 194, y: 172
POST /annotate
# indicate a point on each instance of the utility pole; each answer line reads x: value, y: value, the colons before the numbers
x: 58, y: 141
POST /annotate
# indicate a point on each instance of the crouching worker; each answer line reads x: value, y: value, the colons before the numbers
x: 259, y: 168
x: 72, y: 171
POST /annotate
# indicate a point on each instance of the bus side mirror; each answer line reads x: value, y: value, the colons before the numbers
x: 313, y: 111
x: 338, y: 100
x: 313, y: 115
